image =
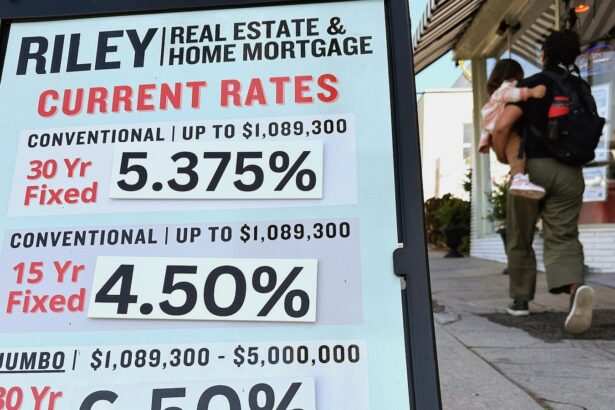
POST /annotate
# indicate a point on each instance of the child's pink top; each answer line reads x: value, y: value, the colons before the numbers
x: 507, y: 93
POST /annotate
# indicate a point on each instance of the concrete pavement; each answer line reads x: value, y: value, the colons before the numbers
x: 488, y: 361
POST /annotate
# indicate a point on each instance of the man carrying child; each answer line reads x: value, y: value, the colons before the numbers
x: 560, y: 208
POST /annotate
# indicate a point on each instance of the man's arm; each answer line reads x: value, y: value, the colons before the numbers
x: 501, y: 132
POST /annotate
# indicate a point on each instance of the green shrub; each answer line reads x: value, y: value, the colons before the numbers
x: 432, y: 225
x: 447, y: 212
x: 465, y: 244
x: 467, y: 182
x: 454, y: 213
x: 497, y: 199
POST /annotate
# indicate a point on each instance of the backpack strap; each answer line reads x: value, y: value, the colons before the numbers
x: 558, y: 79
x: 576, y: 70
x: 565, y: 87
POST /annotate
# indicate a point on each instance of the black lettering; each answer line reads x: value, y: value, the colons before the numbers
x: 26, y: 54
x: 101, y: 395
x: 104, y: 48
x: 253, y: 51
x: 176, y: 56
x: 15, y: 240
x: 28, y: 361
x: 73, y: 55
x: 177, y: 35
x: 140, y: 45
x: 192, y: 34
x: 56, y: 59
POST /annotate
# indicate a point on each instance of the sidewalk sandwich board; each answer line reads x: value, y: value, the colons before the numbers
x: 202, y: 204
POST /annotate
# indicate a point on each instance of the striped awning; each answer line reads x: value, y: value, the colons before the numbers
x: 592, y: 26
x: 598, y: 22
x: 528, y: 44
x: 443, y: 23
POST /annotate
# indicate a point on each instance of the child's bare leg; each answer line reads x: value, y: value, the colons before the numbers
x: 517, y: 165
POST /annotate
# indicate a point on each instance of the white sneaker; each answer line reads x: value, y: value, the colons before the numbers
x: 521, y: 186
x: 579, y: 318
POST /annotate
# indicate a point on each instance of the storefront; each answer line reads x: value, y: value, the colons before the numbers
x: 491, y: 29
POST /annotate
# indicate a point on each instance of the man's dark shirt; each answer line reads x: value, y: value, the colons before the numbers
x: 536, y: 112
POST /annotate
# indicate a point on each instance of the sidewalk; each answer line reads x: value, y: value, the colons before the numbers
x: 489, y: 360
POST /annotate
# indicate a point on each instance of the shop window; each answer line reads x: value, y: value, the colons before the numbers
x: 597, y: 66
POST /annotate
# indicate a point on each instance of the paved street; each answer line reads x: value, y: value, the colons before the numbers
x: 488, y: 360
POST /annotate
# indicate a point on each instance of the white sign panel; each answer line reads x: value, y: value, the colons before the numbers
x: 198, y: 211
x: 219, y: 170
x: 595, y: 184
x: 204, y: 289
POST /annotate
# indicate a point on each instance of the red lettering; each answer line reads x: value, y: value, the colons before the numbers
x: 28, y: 303
x: 230, y: 89
x: 31, y: 193
x: 43, y: 195
x: 279, y: 88
x: 57, y: 303
x: 170, y: 96
x: 13, y: 300
x: 301, y: 88
x: 43, y: 110
x: 164, y: 96
x: 40, y: 398
x: 196, y: 86
x: 66, y: 109
x: 324, y: 82
x: 97, y: 96
x: 256, y: 92
x: 144, y: 96
x: 122, y: 94
x: 71, y: 196
x: 39, y: 303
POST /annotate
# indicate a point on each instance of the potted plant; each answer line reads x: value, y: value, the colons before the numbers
x: 497, y: 199
x: 467, y: 187
x: 432, y: 224
x: 453, y: 217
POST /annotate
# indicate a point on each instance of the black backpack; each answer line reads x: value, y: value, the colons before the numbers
x: 573, y: 138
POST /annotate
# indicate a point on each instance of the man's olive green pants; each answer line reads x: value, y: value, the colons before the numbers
x: 560, y: 208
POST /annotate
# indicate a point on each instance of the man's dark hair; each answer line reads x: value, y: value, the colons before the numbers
x: 505, y: 70
x: 561, y: 47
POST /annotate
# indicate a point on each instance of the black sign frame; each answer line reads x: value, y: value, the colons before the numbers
x: 410, y: 260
